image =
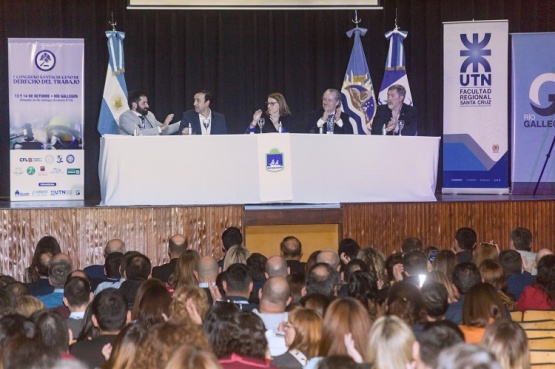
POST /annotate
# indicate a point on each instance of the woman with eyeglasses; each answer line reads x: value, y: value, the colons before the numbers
x: 276, y: 118
x: 303, y: 333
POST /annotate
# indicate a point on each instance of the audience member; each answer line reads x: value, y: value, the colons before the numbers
x: 125, y: 347
x: 190, y: 357
x: 465, y: 276
x: 176, y: 246
x: 52, y: 331
x: 184, y: 273
x: 464, y: 244
x: 363, y: 288
x: 137, y: 270
x: 28, y: 305
x: 436, y: 337
x: 276, y: 266
x: 441, y: 278
x: 415, y: 267
x: 97, y: 273
x: 521, y: 241
x: 507, y: 341
x: 206, y: 272
x: 296, y: 284
x: 112, y: 270
x: 47, y: 247
x: 303, y: 333
x: 217, y: 326
x: 238, y: 286
x: 405, y: 301
x: 329, y: 257
x: 465, y: 356
x: 322, y: 279
x: 492, y: 273
x: 375, y: 260
x: 247, y: 343
x: 163, y: 339
x: 274, y: 298
x: 435, y: 298
x: 389, y: 344
x: 257, y: 265
x: 109, y: 314
x: 411, y: 244
x: 230, y: 237
x: 348, y: 250
x: 189, y: 303
x: 77, y: 296
x: 540, y: 296
x: 482, y: 306
x: 485, y: 251
x: 317, y: 302
x: 516, y: 278
x: 236, y: 255
x: 152, y: 303
x: 445, y: 262
x: 394, y: 268
x: 58, y: 270
x: 291, y: 250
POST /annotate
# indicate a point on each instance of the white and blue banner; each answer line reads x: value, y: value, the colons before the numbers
x: 46, y: 99
x: 274, y: 167
x: 357, y: 93
x: 475, y: 110
x: 114, y: 98
x: 533, y: 112
x: 395, y: 66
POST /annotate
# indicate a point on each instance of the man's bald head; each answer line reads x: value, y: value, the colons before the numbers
x: 114, y: 245
x: 62, y: 256
x: 329, y: 257
x: 207, y: 269
x: 291, y: 248
x: 276, y: 293
x: 276, y: 266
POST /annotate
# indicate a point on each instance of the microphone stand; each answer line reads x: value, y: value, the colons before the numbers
x: 544, y: 165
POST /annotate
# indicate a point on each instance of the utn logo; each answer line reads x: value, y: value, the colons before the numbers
x: 475, y: 53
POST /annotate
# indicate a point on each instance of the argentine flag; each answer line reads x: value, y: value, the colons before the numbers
x: 357, y: 93
x: 114, y: 99
x: 395, y: 70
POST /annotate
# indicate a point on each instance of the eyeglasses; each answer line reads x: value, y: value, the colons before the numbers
x: 271, y: 103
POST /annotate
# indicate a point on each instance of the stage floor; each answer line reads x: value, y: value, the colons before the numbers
x: 7, y: 204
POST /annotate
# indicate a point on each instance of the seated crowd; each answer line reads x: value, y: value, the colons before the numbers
x: 422, y: 307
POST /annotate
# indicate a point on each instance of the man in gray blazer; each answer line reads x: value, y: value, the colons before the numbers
x: 140, y: 121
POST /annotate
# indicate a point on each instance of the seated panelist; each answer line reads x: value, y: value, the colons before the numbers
x: 395, y: 118
x: 140, y: 121
x: 277, y: 117
x: 330, y: 118
x: 202, y: 120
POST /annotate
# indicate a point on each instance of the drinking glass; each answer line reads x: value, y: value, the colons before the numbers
x: 261, y: 123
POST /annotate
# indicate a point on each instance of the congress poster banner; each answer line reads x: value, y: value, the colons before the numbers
x: 533, y: 112
x: 46, y: 99
x: 475, y: 110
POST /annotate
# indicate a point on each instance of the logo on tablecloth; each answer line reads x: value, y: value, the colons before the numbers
x: 274, y: 160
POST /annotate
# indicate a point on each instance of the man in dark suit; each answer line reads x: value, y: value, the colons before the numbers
x: 177, y: 244
x: 330, y: 111
x: 202, y: 119
x: 395, y: 118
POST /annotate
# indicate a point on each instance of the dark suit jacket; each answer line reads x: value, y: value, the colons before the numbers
x: 218, y: 126
x: 164, y: 271
x: 383, y: 115
x: 90, y: 351
x: 313, y: 118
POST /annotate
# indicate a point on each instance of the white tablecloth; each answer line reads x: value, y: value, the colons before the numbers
x: 205, y: 170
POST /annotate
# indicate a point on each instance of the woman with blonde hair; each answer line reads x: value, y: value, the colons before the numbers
x: 445, y: 262
x: 303, y: 333
x: 507, y: 341
x: 184, y: 270
x: 125, y: 347
x: 189, y: 303
x: 440, y: 277
x: 344, y: 317
x: 492, y: 273
x: 236, y: 255
x: 389, y: 344
x: 485, y: 251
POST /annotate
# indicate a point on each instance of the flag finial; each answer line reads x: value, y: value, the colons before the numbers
x: 396, y: 26
x: 112, y: 22
x: 356, y: 21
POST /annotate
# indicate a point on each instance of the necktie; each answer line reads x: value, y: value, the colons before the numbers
x: 142, y: 124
